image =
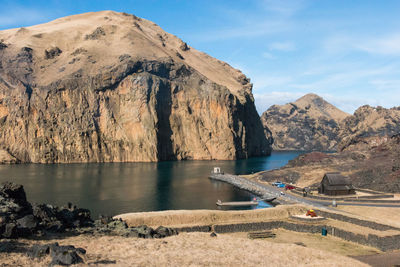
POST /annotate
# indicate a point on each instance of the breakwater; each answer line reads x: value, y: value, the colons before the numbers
x: 243, y: 184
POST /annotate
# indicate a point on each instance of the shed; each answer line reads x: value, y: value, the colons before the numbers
x: 334, y: 184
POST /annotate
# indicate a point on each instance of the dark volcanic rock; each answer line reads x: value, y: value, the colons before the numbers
x: 52, y: 53
x: 60, y: 255
x: 19, y: 218
x: 65, y: 255
x: 2, y: 45
x: 119, y: 227
x: 184, y: 46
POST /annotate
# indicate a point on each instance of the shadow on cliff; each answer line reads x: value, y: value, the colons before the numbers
x: 164, y: 131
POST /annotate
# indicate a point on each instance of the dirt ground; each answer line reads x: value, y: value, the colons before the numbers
x: 192, y: 249
x: 384, y: 215
x: 317, y: 241
x: 388, y: 259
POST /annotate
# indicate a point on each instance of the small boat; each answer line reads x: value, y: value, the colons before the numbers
x: 268, y: 199
x: 237, y: 203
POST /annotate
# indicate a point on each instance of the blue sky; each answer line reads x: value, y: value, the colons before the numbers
x: 346, y: 51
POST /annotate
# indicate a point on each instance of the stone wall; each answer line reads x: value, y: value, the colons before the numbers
x: 364, y: 223
x: 383, y: 243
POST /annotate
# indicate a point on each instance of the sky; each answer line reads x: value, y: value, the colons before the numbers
x: 348, y: 52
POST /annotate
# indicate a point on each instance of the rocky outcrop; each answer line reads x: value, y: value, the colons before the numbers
x: 60, y: 255
x: 311, y: 123
x: 7, y: 158
x: 19, y: 218
x: 370, y: 121
x: 112, y: 88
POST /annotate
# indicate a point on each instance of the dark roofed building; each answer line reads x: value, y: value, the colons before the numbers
x: 335, y: 184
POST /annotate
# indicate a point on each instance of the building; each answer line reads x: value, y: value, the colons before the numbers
x: 335, y: 184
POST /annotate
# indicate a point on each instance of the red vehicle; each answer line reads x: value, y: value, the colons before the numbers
x: 289, y: 187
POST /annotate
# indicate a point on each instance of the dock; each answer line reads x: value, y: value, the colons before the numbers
x: 237, y: 203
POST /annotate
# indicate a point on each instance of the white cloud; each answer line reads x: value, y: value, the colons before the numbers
x: 19, y: 16
x: 265, y: 100
x: 282, y: 46
x: 283, y: 8
x: 251, y: 29
x: 268, y: 55
x: 386, y: 85
x: 387, y: 45
x: 379, y: 45
x: 263, y: 81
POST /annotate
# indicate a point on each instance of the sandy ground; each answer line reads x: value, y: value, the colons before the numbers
x: 190, y: 249
x: 390, y: 216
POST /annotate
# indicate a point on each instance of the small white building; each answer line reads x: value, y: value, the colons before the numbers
x: 217, y: 170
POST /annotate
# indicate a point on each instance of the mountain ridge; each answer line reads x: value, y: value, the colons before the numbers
x: 311, y: 123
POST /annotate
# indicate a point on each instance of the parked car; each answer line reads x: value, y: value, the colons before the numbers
x: 289, y: 187
x: 278, y: 184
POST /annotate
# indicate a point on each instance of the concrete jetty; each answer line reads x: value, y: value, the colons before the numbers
x: 242, y: 183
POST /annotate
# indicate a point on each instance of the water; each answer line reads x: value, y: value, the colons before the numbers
x: 115, y: 188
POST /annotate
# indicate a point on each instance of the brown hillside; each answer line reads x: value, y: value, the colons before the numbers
x: 109, y: 86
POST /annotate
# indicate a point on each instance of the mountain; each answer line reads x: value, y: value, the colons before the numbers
x: 370, y: 121
x: 112, y: 87
x: 309, y: 123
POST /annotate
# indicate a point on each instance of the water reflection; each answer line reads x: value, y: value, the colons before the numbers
x: 113, y: 188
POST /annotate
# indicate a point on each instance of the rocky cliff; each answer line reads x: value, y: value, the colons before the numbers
x: 369, y: 121
x: 107, y: 86
x: 311, y: 123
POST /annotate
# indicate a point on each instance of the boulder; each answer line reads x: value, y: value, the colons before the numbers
x: 14, y: 192
x: 52, y: 52
x: 10, y: 230
x: 162, y: 232
x: 65, y: 255
x: 60, y: 255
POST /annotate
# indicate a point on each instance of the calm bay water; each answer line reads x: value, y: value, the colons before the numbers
x: 115, y: 188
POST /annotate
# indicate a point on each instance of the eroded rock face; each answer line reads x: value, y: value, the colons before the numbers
x: 311, y: 123
x: 370, y: 121
x: 117, y: 93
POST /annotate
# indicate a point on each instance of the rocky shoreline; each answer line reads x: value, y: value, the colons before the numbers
x: 21, y: 219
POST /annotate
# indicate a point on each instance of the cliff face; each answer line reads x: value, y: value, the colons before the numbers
x: 106, y: 86
x: 311, y: 123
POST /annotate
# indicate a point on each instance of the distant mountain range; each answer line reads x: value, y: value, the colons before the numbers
x: 311, y: 123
